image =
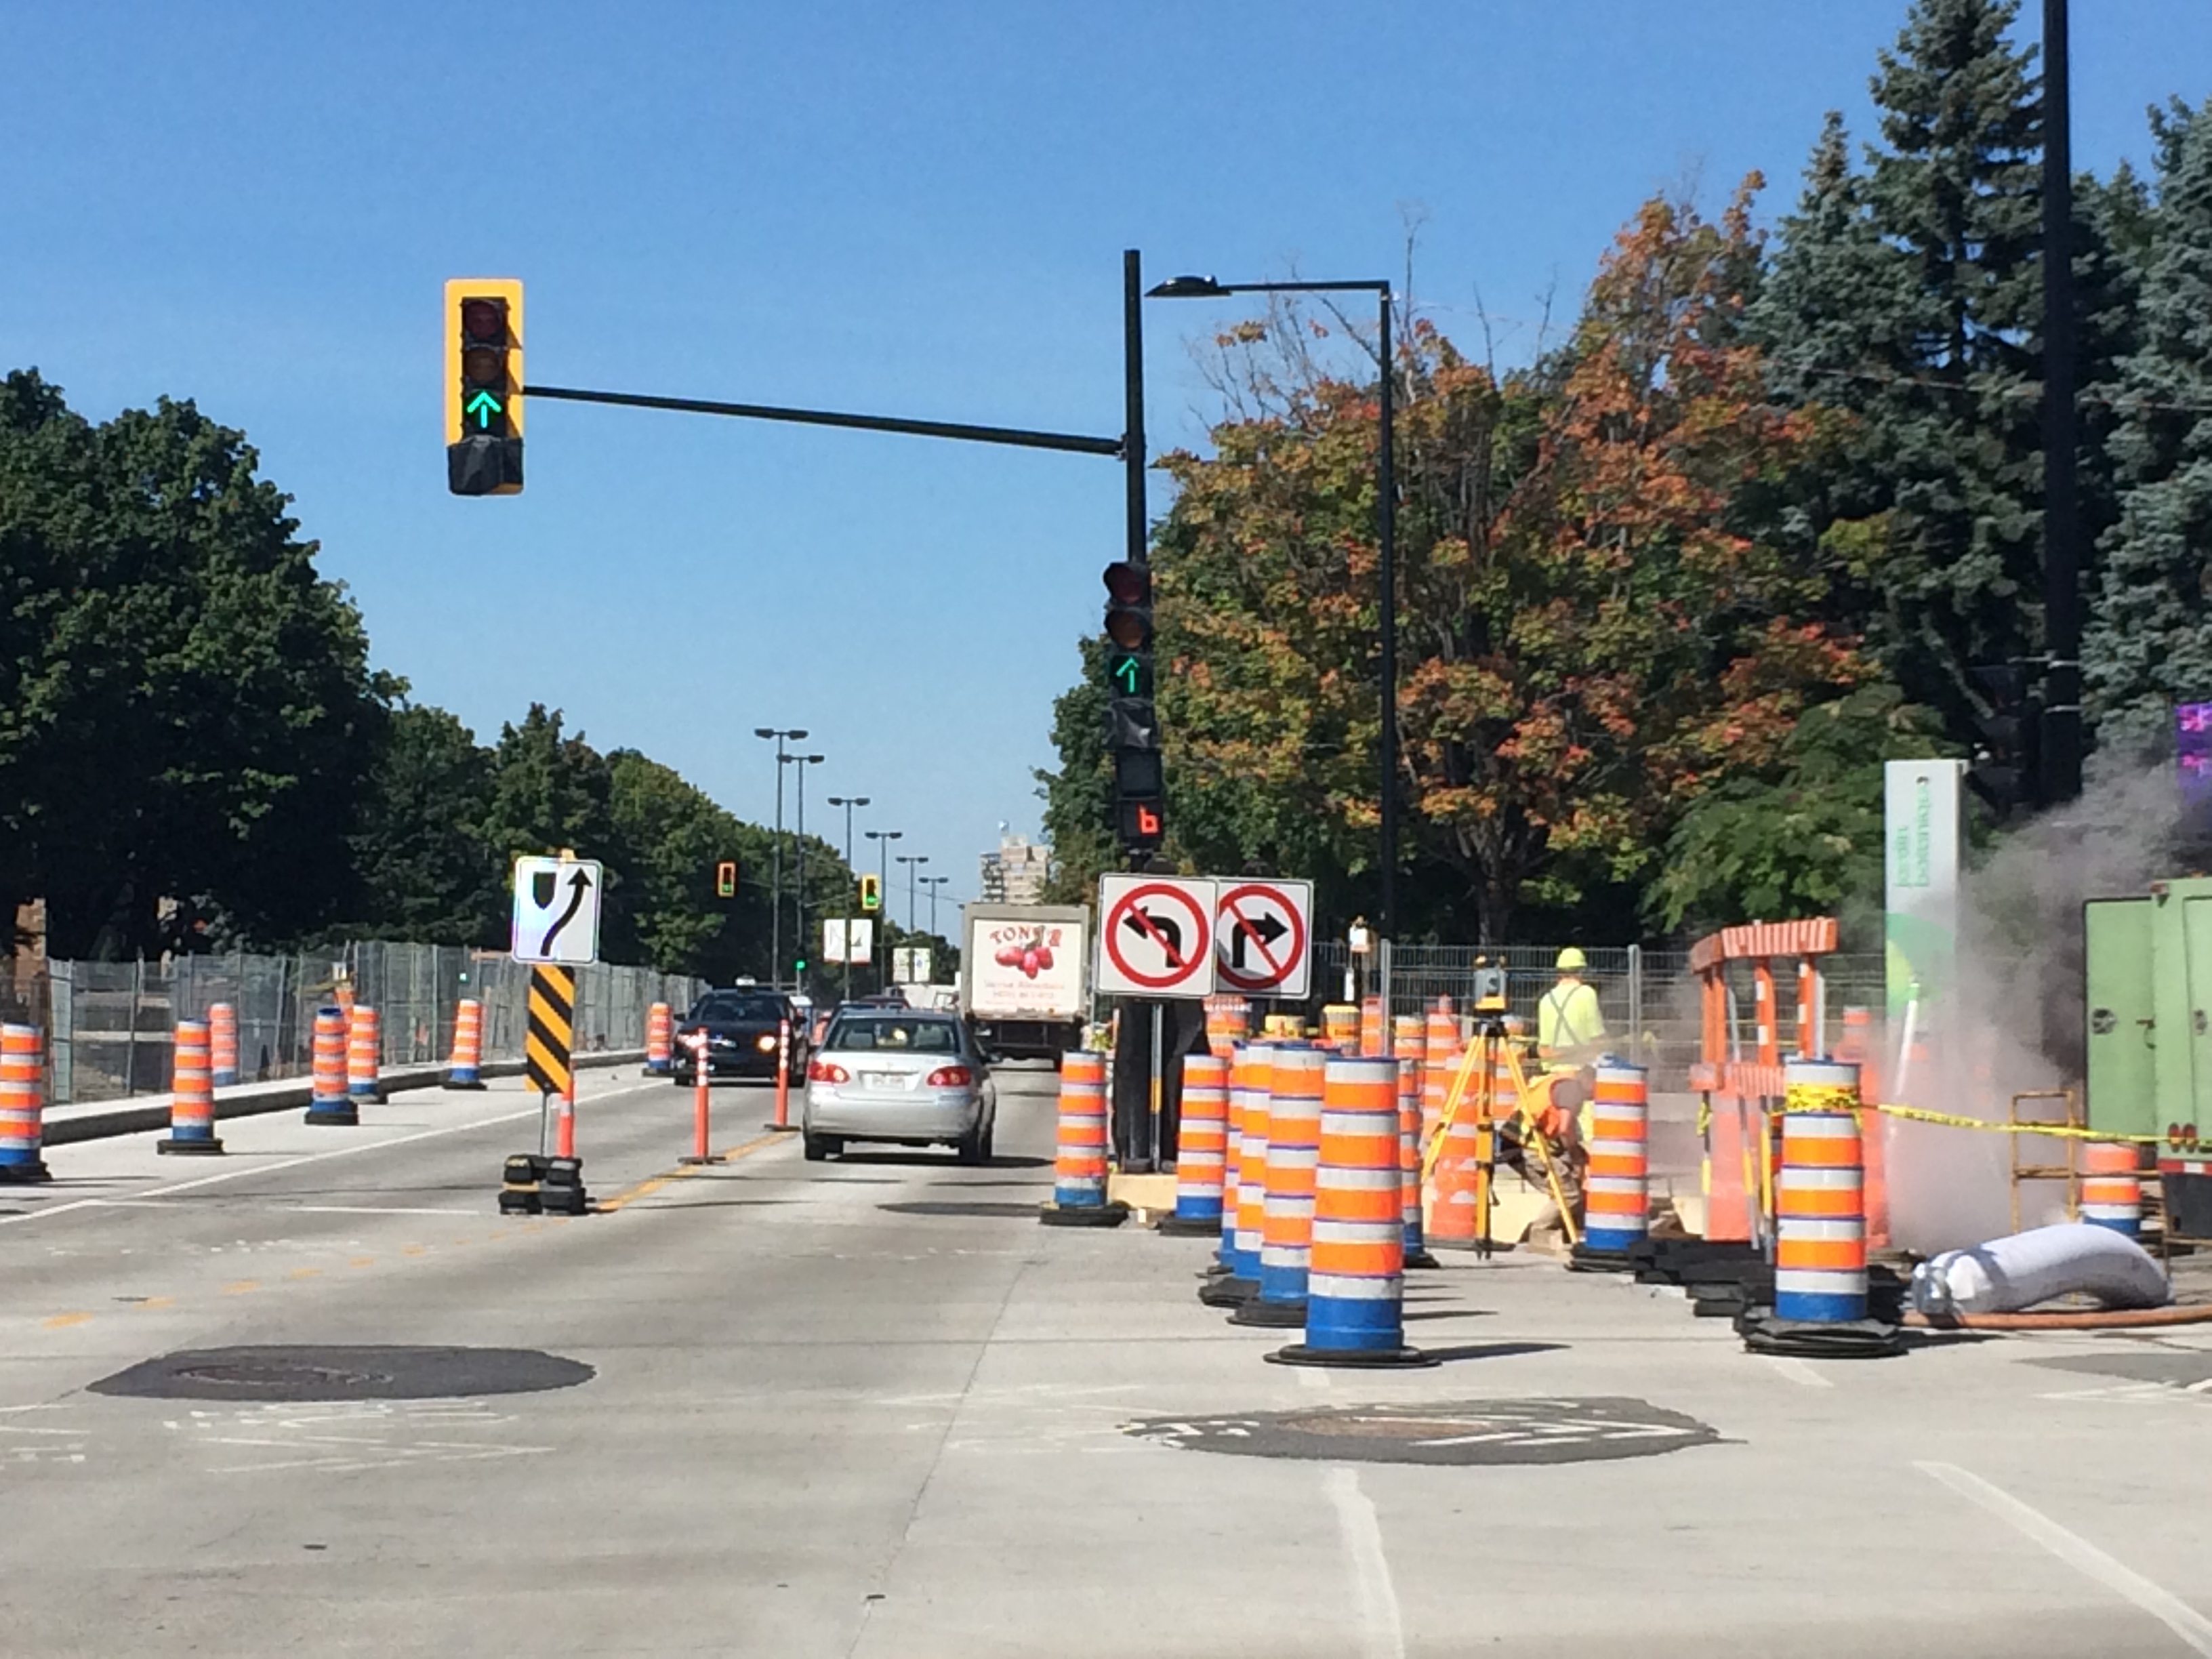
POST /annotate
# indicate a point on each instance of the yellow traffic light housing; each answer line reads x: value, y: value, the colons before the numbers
x: 483, y: 386
x: 725, y: 878
x: 871, y: 893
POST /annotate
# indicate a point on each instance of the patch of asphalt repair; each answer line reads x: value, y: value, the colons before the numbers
x: 323, y: 1372
x: 1463, y: 1432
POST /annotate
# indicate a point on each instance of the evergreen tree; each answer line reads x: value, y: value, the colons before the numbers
x: 2150, y: 641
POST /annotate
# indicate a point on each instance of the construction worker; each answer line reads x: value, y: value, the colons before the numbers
x: 1570, y: 1026
x: 1548, y: 1113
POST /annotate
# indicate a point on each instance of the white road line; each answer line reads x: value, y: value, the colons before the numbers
x: 246, y: 1170
x: 1797, y: 1370
x: 2177, y: 1615
x: 370, y: 1209
x: 1382, y: 1632
x: 1312, y: 1376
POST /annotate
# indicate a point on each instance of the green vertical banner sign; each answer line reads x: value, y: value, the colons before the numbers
x: 1920, y: 934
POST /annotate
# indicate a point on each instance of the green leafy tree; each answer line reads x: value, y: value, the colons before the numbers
x: 424, y: 868
x: 549, y: 791
x: 186, y: 710
x: 2148, y: 643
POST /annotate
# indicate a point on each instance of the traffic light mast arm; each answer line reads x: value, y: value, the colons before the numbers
x: 1020, y: 437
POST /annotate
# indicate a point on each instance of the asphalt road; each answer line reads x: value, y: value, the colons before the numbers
x: 873, y: 1408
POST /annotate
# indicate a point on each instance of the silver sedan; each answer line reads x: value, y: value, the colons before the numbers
x: 907, y: 1077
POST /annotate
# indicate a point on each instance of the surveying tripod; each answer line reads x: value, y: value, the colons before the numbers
x: 1474, y: 1090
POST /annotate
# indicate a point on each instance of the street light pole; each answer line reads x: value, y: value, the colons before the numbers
x: 1386, y: 540
x: 799, y: 886
x: 884, y: 838
x: 849, y: 802
x: 775, y: 860
x: 913, y: 861
x: 2060, y: 754
x: 933, y: 883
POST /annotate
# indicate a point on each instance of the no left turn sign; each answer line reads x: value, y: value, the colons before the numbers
x: 1156, y: 936
x: 1261, y: 932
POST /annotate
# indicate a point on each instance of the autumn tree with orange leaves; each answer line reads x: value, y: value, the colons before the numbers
x: 1599, y: 617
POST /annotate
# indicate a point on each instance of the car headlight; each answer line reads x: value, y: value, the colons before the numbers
x: 765, y: 1044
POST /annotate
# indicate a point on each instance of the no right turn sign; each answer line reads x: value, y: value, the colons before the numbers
x: 1263, y: 934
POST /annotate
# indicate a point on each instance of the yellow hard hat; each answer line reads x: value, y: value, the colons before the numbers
x: 1570, y: 958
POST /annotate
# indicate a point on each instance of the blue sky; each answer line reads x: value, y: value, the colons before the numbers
x: 910, y: 209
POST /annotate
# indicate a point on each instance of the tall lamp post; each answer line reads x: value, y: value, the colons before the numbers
x: 775, y: 861
x: 799, y: 846
x: 1386, y: 536
x: 849, y: 802
x: 883, y: 839
x: 933, y: 883
x: 914, y: 861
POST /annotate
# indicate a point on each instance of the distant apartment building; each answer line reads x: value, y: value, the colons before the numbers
x: 1015, y: 874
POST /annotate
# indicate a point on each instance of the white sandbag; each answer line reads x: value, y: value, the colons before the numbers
x: 2006, y: 1275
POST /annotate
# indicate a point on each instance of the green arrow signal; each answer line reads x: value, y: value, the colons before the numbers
x: 483, y: 406
x: 1126, y: 672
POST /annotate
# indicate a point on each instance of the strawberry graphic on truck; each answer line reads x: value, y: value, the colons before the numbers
x: 1024, y: 977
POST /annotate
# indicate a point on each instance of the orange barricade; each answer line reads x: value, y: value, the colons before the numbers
x: 363, y: 1046
x: 1201, y: 1134
x: 1294, y: 1096
x: 463, y: 1070
x: 1079, y: 1188
x: 331, y: 1103
x: 659, y: 1040
x: 192, y: 1096
x: 1228, y: 1019
x: 22, y: 1104
x: 1371, y: 1025
x: 2112, y: 1186
x: 223, y: 1045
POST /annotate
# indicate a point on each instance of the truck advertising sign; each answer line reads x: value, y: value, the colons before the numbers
x: 1025, y: 967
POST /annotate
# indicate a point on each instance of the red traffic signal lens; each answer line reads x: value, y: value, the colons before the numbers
x: 1128, y: 584
x: 484, y: 320
x: 1130, y: 629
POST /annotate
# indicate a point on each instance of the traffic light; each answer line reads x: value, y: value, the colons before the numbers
x: 871, y: 894
x: 725, y: 878
x: 1132, y: 726
x: 2004, y: 769
x: 483, y: 386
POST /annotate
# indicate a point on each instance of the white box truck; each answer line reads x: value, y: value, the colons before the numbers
x: 1024, y: 977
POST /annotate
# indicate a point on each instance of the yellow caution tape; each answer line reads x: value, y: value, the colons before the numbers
x: 1820, y: 1098
x: 1953, y: 1120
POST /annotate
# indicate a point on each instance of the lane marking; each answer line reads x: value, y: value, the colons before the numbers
x: 2078, y: 1553
x: 241, y: 1286
x: 362, y: 1261
x: 1313, y: 1377
x: 1797, y: 1370
x: 371, y: 1209
x: 156, y: 1302
x: 61, y: 1321
x: 1381, y: 1629
x: 655, y: 1183
x: 305, y: 1273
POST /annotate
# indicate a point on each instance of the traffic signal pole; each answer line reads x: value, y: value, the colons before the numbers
x: 2059, y: 754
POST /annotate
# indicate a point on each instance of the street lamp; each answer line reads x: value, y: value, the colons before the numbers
x: 933, y: 883
x: 775, y: 882
x: 1386, y: 536
x: 849, y: 802
x: 799, y: 888
x: 914, y: 862
x: 883, y: 839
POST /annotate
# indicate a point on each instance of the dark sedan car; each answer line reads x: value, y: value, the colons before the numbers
x: 741, y: 1025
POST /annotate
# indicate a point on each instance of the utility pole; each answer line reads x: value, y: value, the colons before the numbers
x: 2061, y: 749
x: 849, y: 802
x: 776, y: 881
x: 883, y: 839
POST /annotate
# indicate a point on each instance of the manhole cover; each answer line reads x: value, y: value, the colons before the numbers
x: 1469, y: 1432
x: 343, y: 1373
x: 981, y: 1207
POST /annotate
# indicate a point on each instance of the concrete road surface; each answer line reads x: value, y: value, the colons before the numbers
x: 873, y: 1408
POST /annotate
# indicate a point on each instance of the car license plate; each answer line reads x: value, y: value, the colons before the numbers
x: 883, y: 1079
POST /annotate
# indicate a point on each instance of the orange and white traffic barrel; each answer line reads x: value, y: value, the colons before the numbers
x: 1202, y: 1133
x: 1244, y: 1179
x: 1409, y: 1161
x: 1373, y: 1024
x: 1294, y: 1097
x: 330, y: 1102
x: 1616, y: 1188
x: 659, y: 1040
x: 1078, y: 1185
x: 1455, y: 1217
x: 223, y: 1045
x: 22, y: 1104
x: 464, y: 1069
x: 1340, y: 1026
x: 191, y: 1093
x: 1819, y: 1232
x: 1227, y: 1018
x: 1355, y: 1283
x: 1439, y: 1050
x: 2111, y: 1187
x: 363, y: 1040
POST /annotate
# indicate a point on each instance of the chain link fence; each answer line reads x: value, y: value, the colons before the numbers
x: 108, y: 1024
x: 1649, y: 997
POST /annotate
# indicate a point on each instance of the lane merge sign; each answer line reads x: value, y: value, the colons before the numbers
x: 1263, y: 935
x: 556, y: 909
x: 1156, y: 936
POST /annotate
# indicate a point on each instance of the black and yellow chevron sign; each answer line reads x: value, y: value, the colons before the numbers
x: 551, y: 1036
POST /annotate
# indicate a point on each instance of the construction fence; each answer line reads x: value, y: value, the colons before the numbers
x: 109, y: 1024
x: 1649, y: 997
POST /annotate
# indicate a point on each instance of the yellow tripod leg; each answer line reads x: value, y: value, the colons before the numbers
x: 1532, y: 1135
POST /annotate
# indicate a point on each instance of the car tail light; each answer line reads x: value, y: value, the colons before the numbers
x: 824, y: 1071
x: 950, y: 1076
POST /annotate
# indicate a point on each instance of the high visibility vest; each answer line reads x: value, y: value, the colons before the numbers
x: 1569, y: 1019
